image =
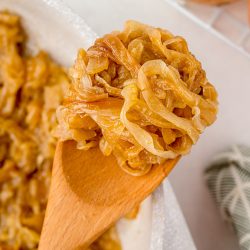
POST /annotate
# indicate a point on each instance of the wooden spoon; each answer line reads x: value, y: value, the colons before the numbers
x: 89, y: 193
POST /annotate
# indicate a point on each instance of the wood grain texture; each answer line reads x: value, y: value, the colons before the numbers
x: 248, y: 11
x: 89, y: 193
x: 214, y: 2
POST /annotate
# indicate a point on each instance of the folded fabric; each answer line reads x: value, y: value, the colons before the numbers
x: 169, y: 228
x: 228, y: 178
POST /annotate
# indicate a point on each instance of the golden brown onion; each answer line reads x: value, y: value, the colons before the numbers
x: 146, y: 92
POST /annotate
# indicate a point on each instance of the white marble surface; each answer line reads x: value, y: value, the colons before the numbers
x: 228, y: 70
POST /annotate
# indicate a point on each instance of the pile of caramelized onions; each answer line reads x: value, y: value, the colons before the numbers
x: 139, y: 94
x: 31, y: 88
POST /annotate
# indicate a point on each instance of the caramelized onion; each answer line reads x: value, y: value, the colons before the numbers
x: 145, y: 91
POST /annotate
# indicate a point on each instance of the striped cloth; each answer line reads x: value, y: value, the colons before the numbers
x: 228, y: 178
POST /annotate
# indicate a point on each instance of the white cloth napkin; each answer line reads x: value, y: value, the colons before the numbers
x: 169, y: 228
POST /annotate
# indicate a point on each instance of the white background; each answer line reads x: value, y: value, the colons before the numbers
x: 228, y: 70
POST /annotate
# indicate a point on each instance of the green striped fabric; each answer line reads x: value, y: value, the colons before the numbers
x: 228, y: 178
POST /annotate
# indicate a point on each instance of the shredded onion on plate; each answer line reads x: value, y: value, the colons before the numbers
x: 31, y: 88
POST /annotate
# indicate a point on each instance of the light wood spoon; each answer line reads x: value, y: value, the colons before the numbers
x: 89, y: 193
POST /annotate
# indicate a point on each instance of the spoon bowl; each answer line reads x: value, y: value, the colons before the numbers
x: 89, y: 193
